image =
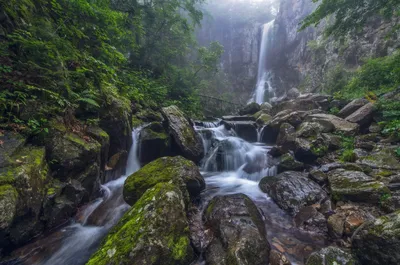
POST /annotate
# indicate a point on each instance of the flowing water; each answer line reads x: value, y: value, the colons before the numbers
x: 233, y: 165
x: 74, y: 244
x: 264, y: 77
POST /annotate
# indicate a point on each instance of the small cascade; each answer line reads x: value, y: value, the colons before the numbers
x: 264, y: 77
x: 74, y: 244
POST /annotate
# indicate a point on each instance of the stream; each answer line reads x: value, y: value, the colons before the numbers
x: 231, y: 165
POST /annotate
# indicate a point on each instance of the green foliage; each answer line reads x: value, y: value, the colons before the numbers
x: 350, y: 14
x: 334, y: 110
x: 347, y: 151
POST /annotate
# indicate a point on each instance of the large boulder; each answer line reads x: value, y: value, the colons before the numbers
x: 23, y: 187
x: 239, y: 235
x: 250, y: 109
x: 154, y: 231
x: 287, y: 137
x: 378, y: 242
x: 382, y: 157
x: 154, y: 143
x: 246, y: 130
x: 289, y: 163
x: 331, y: 256
x: 332, y: 123
x: 355, y: 186
x: 292, y: 191
x: 182, y: 172
x: 363, y: 116
x: 352, y: 107
x: 187, y: 143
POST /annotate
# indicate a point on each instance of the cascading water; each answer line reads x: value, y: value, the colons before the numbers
x: 74, y: 244
x: 264, y: 77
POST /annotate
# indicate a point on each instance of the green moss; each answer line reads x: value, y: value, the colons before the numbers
x: 384, y: 173
x: 348, y: 156
x: 136, y: 122
x: 7, y: 190
x: 51, y: 191
x: 94, y: 145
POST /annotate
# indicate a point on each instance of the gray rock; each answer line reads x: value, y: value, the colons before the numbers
x: 246, y: 130
x: 363, y: 116
x: 250, y: 109
x: 352, y: 107
x: 292, y: 191
x: 287, y: 137
x: 154, y: 143
x: 330, y: 256
x: 239, y: 232
x: 289, y: 163
x: 293, y: 93
x: 266, y: 106
x: 332, y: 123
x: 188, y: 144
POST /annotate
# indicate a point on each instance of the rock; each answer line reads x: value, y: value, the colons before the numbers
x: 308, y: 150
x: 331, y: 256
x: 116, y: 119
x: 270, y: 131
x: 295, y: 105
x: 333, y: 141
x: 149, y: 115
x: 363, y: 116
x: 347, y: 219
x: 250, y: 109
x: 310, y: 220
x: 115, y: 166
x: 311, y: 129
x: 332, y: 123
x: 22, y: 191
x: 154, y: 231
x: 355, y: 186
x: 104, y: 139
x: 239, y: 232
x: 277, y: 258
x: 246, y: 130
x: 293, y: 93
x: 188, y: 144
x: 182, y: 172
x: 381, y: 157
x: 154, y: 143
x: 378, y: 242
x: 263, y: 119
x: 288, y: 163
x: 375, y: 128
x: 318, y: 176
x: 240, y: 118
x: 292, y: 191
x: 287, y: 137
x: 352, y: 107
x: 266, y: 106
x: 11, y: 143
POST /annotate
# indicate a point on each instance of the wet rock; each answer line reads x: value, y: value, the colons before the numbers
x: 310, y: 129
x: 333, y: 141
x: 250, y: 109
x: 277, y: 258
x: 239, y: 118
x: 378, y: 242
x: 355, y: 186
x: 318, y: 176
x: 287, y: 137
x: 270, y: 131
x: 182, y: 172
x: 348, y: 166
x: 293, y: 93
x: 188, y: 144
x: 292, y: 191
x: 329, y: 256
x: 276, y: 151
x: 332, y: 123
x: 116, y: 119
x: 244, y: 129
x: 352, y: 107
x: 310, y: 220
x: 239, y: 232
x: 363, y: 116
x: 8, y: 205
x: 263, y: 119
x: 381, y: 157
x: 154, y: 143
x: 149, y: 115
x: 154, y: 231
x: 104, y: 139
x: 308, y: 150
x: 266, y: 106
x: 289, y: 163
x: 11, y: 143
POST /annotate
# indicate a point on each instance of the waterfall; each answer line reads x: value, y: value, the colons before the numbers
x: 263, y: 75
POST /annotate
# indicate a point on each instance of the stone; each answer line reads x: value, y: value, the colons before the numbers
x: 363, y: 116
x: 250, y: 109
x: 292, y: 190
x: 293, y: 93
x: 318, y: 176
x: 263, y: 119
x: 352, y: 107
x: 239, y: 235
x: 331, y: 256
x: 154, y: 231
x: 287, y: 137
x: 188, y: 144
x: 277, y: 258
x: 11, y: 143
x: 355, y: 186
x: 309, y: 150
x: 331, y: 123
x: 240, y: 118
x: 182, y: 172
x: 289, y: 163
x: 378, y: 242
x: 266, y: 106
x: 295, y: 105
x: 154, y: 143
x: 246, y: 130
x: 311, y: 129
x: 382, y: 157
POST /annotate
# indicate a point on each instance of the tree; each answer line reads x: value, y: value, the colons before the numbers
x: 350, y: 14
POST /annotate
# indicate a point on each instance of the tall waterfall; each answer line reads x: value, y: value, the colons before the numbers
x: 263, y: 75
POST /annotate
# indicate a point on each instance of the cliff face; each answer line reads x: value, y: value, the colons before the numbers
x: 237, y: 26
x: 307, y: 60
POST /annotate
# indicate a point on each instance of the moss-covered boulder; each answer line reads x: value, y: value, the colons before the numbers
x: 286, y: 137
x: 250, y: 109
x: 332, y: 123
x: 263, y: 119
x: 239, y: 235
x: 378, y: 242
x: 23, y: 187
x: 355, y: 186
x: 292, y: 190
x: 289, y: 163
x: 178, y: 170
x: 331, y: 256
x: 154, y: 143
x: 154, y: 231
x: 185, y: 140
x: 382, y: 157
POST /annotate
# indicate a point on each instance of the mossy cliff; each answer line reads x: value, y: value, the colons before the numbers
x: 154, y: 231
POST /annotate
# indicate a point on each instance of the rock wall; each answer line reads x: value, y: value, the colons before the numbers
x: 307, y: 59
